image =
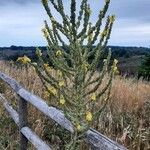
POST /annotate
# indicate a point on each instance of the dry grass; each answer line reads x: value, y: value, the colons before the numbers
x: 126, y: 118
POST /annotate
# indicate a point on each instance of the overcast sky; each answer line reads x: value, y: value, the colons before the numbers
x: 21, y: 22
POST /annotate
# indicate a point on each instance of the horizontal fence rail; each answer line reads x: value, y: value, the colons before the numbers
x: 26, y: 131
x: 94, y: 138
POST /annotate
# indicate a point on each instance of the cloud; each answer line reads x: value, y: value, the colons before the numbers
x: 21, y: 25
x: 6, y: 2
x: 131, y: 33
x: 132, y: 9
x: 21, y: 21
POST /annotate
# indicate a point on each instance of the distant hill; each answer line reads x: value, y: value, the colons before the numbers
x: 118, y: 51
x: 129, y: 57
x: 12, y: 52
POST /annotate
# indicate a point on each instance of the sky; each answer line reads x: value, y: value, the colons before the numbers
x: 21, y: 22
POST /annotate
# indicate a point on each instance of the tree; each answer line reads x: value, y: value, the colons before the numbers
x: 144, y: 69
x: 74, y: 73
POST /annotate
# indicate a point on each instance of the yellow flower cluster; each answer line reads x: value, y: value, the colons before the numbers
x: 112, y: 18
x: 52, y: 90
x: 93, y: 97
x: 59, y: 73
x: 61, y: 83
x: 104, y: 33
x: 86, y: 67
x: 62, y: 100
x: 45, y: 33
x: 115, y: 70
x: 78, y: 127
x: 89, y: 116
x: 114, y: 67
x: 24, y: 60
x: 58, y: 53
x: 47, y: 67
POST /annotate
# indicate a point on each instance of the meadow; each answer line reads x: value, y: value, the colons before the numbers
x: 126, y: 119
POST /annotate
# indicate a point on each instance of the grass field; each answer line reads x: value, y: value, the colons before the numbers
x: 125, y: 120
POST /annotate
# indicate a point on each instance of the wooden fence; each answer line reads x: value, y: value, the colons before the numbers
x: 94, y: 138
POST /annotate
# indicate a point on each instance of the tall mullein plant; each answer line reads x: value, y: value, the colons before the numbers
x: 73, y: 87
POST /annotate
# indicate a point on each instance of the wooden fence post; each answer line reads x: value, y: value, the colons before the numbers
x: 23, y: 112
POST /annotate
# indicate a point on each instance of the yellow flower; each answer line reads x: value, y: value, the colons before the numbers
x: 104, y: 33
x: 58, y: 53
x: 78, y: 127
x: 93, y: 97
x: 115, y: 69
x: 45, y: 33
x: 59, y: 73
x: 52, y: 90
x: 24, y: 59
x: 89, y: 116
x: 19, y: 59
x: 62, y: 100
x: 47, y: 67
x: 112, y: 18
x: 86, y: 66
x: 61, y: 83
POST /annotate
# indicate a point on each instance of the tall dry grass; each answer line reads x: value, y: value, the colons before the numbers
x: 126, y: 118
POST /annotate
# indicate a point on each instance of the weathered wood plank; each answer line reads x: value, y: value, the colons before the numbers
x: 26, y: 131
x: 97, y: 140
x: 34, y: 139
x: 23, y: 144
x: 11, y: 82
x: 51, y: 112
x: 13, y: 113
x: 36, y: 101
x: 101, y: 142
